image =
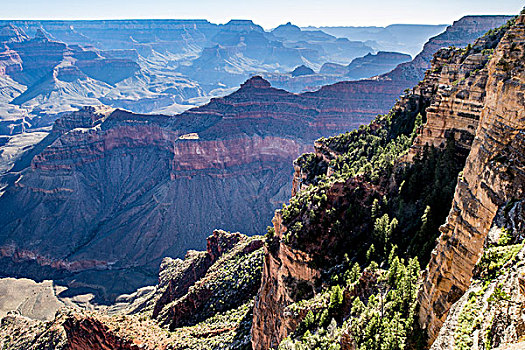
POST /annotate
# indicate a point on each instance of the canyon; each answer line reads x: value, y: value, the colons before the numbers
x: 461, y: 97
x: 389, y: 38
x: 165, y: 66
x: 154, y: 185
x: 156, y: 182
x: 434, y: 184
x: 145, y: 66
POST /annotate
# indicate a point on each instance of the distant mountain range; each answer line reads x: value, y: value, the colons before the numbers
x: 405, y: 38
x: 304, y: 79
x: 155, y: 66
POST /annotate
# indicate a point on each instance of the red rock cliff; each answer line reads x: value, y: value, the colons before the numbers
x: 493, y: 176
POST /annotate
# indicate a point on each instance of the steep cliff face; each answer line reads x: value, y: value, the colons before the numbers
x: 457, y: 83
x: 489, y: 314
x: 461, y: 33
x: 117, y: 184
x: 493, y: 178
x: 463, y: 87
x: 284, y: 270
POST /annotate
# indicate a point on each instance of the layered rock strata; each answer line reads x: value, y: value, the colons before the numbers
x: 211, y: 292
x: 490, y: 312
x: 130, y: 189
x: 401, y: 77
x: 493, y: 177
x: 452, y: 99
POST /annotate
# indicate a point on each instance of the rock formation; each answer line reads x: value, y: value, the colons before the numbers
x: 102, y: 167
x: 404, y: 76
x: 117, y: 183
x: 302, y: 70
x: 492, y: 179
x: 460, y: 99
x: 407, y: 38
x: 145, y: 66
x: 202, y: 301
x: 372, y: 65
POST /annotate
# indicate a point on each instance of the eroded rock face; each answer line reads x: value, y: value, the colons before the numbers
x: 390, y: 84
x: 270, y: 322
x: 128, y: 189
x: 452, y: 97
x: 372, y: 65
x: 204, y: 300
x: 456, y: 85
x: 89, y: 333
x: 490, y: 312
x: 493, y: 176
x: 291, y: 274
x: 212, y: 289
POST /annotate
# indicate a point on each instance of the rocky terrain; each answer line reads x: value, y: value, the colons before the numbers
x: 434, y: 185
x: 87, y: 67
x: 461, y: 103
x: 145, y: 66
x: 370, y: 65
x: 151, y: 66
x: 497, y: 153
x: 204, y: 301
x: 48, y: 68
x: 390, y: 76
x: 118, y: 184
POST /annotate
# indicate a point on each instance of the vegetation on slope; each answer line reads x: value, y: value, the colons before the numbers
x: 375, y: 210
x: 383, y: 201
x: 363, y: 202
x: 373, y: 309
x: 489, y: 292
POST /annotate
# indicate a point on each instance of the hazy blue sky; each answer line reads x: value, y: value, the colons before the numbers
x: 268, y: 13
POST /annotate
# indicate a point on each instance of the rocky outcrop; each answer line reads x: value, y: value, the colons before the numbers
x: 489, y: 314
x: 176, y: 276
x: 209, y: 294
x: 84, y: 118
x: 90, y: 333
x: 284, y: 269
x: 376, y: 96
x: 457, y: 87
x: 18, y: 332
x: 302, y: 70
x: 202, y: 300
x: 493, y: 177
x: 293, y: 272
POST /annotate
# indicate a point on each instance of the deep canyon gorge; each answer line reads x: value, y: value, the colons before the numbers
x: 397, y: 205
